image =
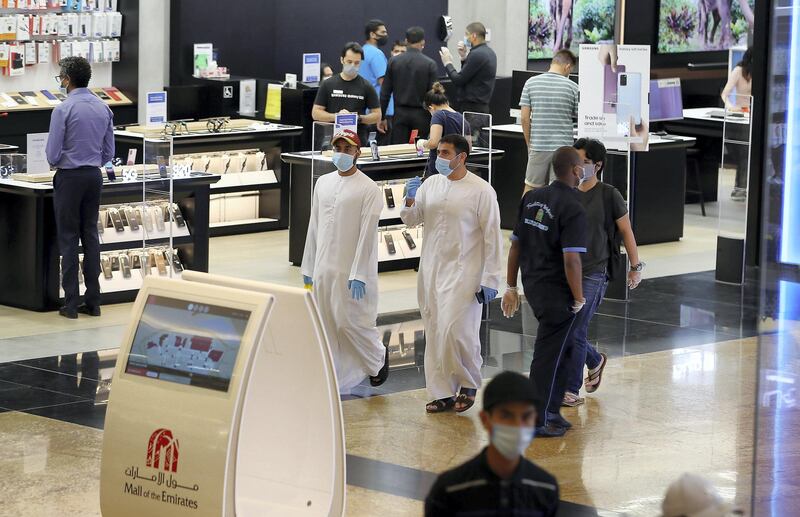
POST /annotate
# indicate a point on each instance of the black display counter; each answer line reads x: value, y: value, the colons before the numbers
x: 658, y: 179
x: 387, y: 169
x: 29, y: 250
x: 272, y: 139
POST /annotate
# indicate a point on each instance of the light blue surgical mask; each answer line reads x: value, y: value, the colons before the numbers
x: 62, y: 88
x: 343, y: 161
x: 511, y: 441
x: 443, y: 167
x: 467, y: 42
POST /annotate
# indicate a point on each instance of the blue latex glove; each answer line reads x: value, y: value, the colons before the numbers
x: 307, y: 281
x: 489, y: 294
x: 411, y: 187
x: 357, y: 289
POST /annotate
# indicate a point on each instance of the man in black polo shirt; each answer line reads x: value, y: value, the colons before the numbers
x: 475, y: 81
x: 409, y: 77
x: 348, y: 92
x: 547, y: 244
x: 499, y: 481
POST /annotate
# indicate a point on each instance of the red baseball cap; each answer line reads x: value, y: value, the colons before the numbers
x: 348, y: 135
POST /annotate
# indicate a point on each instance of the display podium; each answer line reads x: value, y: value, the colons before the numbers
x: 220, y: 406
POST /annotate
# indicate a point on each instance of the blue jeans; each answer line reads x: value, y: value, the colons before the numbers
x: 594, y: 288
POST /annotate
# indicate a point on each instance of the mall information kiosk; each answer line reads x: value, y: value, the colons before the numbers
x: 224, y: 403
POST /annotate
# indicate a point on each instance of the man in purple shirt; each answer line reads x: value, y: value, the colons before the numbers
x: 81, y: 140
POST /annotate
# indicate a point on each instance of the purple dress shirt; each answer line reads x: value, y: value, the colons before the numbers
x: 81, y: 132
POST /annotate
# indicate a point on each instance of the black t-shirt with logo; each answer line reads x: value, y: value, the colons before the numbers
x: 594, y: 202
x: 355, y: 96
x: 551, y: 222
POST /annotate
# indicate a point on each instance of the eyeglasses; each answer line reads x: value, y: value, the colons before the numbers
x: 59, y: 78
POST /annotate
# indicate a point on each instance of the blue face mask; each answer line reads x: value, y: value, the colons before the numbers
x: 443, y: 167
x: 343, y: 161
x: 467, y: 42
x: 62, y: 88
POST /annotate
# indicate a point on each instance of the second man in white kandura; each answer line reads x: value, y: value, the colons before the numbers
x: 461, y: 262
x: 341, y: 261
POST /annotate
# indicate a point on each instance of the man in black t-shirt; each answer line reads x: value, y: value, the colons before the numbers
x: 499, y: 481
x: 348, y: 92
x: 547, y: 244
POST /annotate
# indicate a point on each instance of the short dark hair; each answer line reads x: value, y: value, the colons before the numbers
x: 457, y: 141
x: 595, y: 150
x: 354, y: 47
x: 564, y: 159
x: 565, y: 57
x: 372, y: 26
x: 415, y: 35
x: 399, y: 43
x: 477, y: 28
x: 323, y: 66
x: 77, y: 69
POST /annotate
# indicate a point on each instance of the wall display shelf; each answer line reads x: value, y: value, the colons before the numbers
x: 253, y: 192
x: 390, y: 173
x: 48, y: 99
x: 30, y: 275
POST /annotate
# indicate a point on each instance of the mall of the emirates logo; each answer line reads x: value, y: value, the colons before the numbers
x: 160, y: 485
x: 162, y: 451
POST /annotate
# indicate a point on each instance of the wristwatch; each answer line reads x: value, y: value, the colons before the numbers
x: 638, y: 268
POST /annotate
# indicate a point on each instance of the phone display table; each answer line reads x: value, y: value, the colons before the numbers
x: 30, y: 276
x: 390, y: 172
x: 206, y: 417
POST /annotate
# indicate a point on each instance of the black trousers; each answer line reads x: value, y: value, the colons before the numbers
x: 408, y: 119
x: 553, y: 349
x: 76, y: 200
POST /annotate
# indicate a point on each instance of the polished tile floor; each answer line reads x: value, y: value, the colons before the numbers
x: 678, y: 396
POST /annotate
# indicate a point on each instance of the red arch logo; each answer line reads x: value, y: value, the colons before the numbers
x: 163, y: 446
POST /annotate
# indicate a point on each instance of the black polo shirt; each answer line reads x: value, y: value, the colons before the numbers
x: 551, y: 221
x: 474, y: 490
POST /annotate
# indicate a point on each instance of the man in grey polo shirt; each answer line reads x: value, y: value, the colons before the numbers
x: 549, y: 103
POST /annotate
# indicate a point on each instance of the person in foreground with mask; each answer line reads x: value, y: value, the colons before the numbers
x: 460, y: 268
x: 348, y: 92
x: 499, y: 480
x: 547, y: 244
x: 608, y: 223
x: 340, y: 263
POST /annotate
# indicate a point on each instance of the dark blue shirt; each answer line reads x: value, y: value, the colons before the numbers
x: 452, y: 123
x: 551, y: 222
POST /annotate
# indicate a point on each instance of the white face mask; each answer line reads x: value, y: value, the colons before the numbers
x: 511, y: 441
x: 588, y: 172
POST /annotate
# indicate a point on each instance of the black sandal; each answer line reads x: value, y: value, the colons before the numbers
x: 441, y: 405
x: 466, y: 396
x: 383, y: 374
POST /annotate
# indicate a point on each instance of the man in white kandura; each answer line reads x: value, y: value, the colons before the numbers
x: 341, y: 261
x: 460, y: 268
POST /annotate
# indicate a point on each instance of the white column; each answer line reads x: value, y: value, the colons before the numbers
x: 153, y: 49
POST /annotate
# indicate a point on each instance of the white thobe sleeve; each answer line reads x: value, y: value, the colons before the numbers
x: 414, y: 215
x: 366, y: 249
x: 310, y: 251
x: 489, y: 219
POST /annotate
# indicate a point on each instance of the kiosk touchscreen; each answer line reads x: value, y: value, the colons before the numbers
x: 207, y: 414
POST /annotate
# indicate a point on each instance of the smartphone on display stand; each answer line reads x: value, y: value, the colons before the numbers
x: 373, y: 146
x: 629, y: 100
x: 387, y: 192
x: 390, y: 243
x: 162, y: 166
x: 131, y: 156
x: 110, y: 172
x: 610, y: 78
x: 413, y: 138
